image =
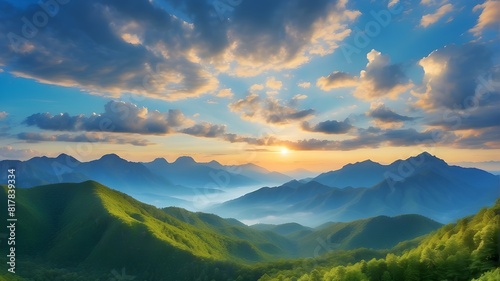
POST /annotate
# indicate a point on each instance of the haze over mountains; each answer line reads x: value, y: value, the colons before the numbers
x: 157, y: 182
x: 423, y: 185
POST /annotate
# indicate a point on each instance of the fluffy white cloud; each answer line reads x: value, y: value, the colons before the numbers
x: 225, y: 93
x: 273, y: 84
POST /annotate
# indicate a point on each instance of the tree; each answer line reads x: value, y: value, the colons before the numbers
x: 386, y: 276
x: 486, y: 256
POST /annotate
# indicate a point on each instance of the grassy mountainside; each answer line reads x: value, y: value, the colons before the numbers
x: 88, y: 225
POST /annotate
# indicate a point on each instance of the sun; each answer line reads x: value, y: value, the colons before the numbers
x: 284, y: 151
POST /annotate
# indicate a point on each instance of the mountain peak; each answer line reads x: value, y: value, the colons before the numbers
x: 292, y: 184
x: 66, y: 157
x: 159, y: 160
x: 365, y: 163
x: 185, y: 160
x: 111, y: 157
x: 426, y: 156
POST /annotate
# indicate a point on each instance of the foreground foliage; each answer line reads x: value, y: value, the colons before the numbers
x: 463, y: 251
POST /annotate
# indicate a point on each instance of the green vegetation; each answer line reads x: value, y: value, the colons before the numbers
x: 377, y: 233
x: 462, y: 251
x: 89, y: 232
x: 69, y: 229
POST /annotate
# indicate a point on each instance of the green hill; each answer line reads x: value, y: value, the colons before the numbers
x: 467, y: 250
x: 378, y: 233
x: 90, y: 227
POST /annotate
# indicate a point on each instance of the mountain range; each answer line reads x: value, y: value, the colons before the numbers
x: 158, y: 182
x: 423, y: 184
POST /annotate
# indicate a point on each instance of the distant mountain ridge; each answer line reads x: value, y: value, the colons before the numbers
x: 157, y: 182
x: 423, y: 185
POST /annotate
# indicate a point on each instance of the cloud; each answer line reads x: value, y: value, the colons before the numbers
x: 430, y: 19
x: 284, y: 35
x: 381, y: 78
x: 304, y: 85
x: 11, y: 153
x: 206, y: 130
x: 225, y: 93
x: 488, y: 138
x: 336, y: 79
x: 392, y: 3
x: 83, y: 137
x: 486, y: 116
x: 328, y: 127
x: 118, y: 116
x: 386, y: 115
x: 3, y: 115
x: 88, y: 45
x: 451, y: 75
x: 268, y: 110
x: 364, y: 138
x: 373, y: 138
x: 256, y: 87
x: 209, y: 130
x: 273, y: 84
x: 299, y: 97
x: 138, y: 46
x: 490, y: 16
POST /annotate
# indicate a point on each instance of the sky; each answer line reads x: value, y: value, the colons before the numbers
x: 295, y: 84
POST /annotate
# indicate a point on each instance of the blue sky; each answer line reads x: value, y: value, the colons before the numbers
x: 238, y: 81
